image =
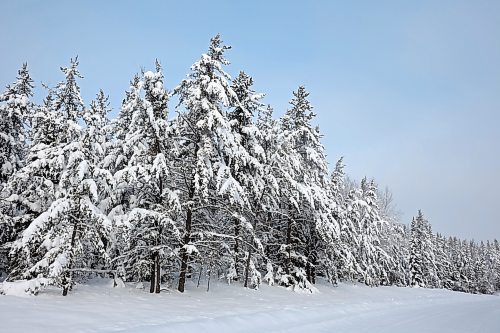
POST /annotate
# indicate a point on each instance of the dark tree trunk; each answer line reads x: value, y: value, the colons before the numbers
x: 289, y: 245
x: 154, y: 279
x: 66, y: 288
x: 250, y: 250
x: 157, y: 273
x: 308, y: 271
x: 267, y: 248
x: 313, y: 257
x: 247, y: 268
x: 68, y: 275
x: 313, y: 273
x: 184, y: 254
x: 155, y: 256
x: 236, y: 247
x: 152, y: 275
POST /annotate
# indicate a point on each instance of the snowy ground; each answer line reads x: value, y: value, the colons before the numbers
x: 99, y: 308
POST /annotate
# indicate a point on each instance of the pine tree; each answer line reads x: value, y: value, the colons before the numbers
x: 276, y: 178
x: 68, y: 234
x: 443, y: 262
x: 16, y: 110
x: 422, y: 259
x: 485, y: 272
x: 250, y: 176
x: 119, y: 153
x: 306, y: 203
x: 150, y: 234
x: 337, y: 258
x: 384, y: 261
x: 430, y: 269
x: 208, y: 149
x: 364, y: 227
x: 416, y: 261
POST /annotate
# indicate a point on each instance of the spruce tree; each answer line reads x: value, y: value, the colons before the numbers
x: 305, y: 202
x: 16, y: 111
x: 149, y: 233
x: 71, y: 232
x: 423, y: 269
x: 208, y: 148
x: 250, y: 176
x: 416, y: 260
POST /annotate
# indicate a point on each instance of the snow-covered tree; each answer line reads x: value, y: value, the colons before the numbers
x: 249, y: 175
x: 416, y: 260
x: 305, y: 202
x: 336, y: 256
x: 363, y: 227
x: 149, y: 233
x: 210, y: 153
x: 422, y: 258
x: 275, y: 177
x: 16, y: 110
x: 69, y: 229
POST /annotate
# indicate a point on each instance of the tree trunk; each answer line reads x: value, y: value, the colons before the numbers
x: 155, y: 274
x: 68, y: 275
x: 289, y: 246
x: 308, y: 271
x: 313, y: 257
x: 157, y: 271
x: 236, y: 247
x: 250, y: 250
x: 184, y: 254
x: 247, y: 268
x: 313, y: 273
x: 152, y: 275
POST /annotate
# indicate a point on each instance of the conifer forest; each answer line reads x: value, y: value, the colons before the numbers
x: 201, y: 182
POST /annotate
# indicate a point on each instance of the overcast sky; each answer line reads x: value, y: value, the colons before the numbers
x: 407, y: 91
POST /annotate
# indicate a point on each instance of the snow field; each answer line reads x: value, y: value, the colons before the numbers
x: 97, y: 307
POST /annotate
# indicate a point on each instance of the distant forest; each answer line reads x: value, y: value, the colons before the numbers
x: 214, y: 187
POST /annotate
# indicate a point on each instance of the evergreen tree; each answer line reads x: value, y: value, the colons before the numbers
x: 276, y: 178
x: 443, y: 262
x: 208, y: 148
x: 71, y: 234
x: 305, y: 203
x: 337, y: 258
x: 422, y: 259
x: 416, y: 262
x: 16, y: 110
x: 250, y: 176
x: 150, y: 234
x: 363, y: 229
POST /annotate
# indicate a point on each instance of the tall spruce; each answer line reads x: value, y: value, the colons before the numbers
x: 16, y: 111
x: 250, y: 176
x: 208, y: 149
x: 149, y: 234
x: 70, y: 235
x: 306, y: 205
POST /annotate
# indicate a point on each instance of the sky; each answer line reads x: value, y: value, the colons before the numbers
x: 407, y: 91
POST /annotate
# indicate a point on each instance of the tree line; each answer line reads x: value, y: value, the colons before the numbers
x: 217, y: 189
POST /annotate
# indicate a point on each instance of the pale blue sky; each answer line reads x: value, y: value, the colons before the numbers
x: 407, y: 91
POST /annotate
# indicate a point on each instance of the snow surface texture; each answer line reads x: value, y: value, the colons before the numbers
x: 97, y: 307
